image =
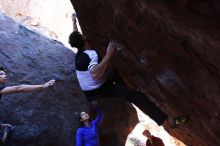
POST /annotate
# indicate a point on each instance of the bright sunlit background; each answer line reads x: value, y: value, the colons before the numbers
x: 51, y: 18
x: 136, y: 138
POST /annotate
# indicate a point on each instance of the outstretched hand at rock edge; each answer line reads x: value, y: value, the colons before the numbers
x: 74, y: 17
x: 49, y: 83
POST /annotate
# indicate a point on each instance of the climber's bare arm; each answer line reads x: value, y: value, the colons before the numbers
x: 74, y: 22
x: 26, y: 88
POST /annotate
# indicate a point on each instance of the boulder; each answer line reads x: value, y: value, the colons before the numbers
x: 169, y: 50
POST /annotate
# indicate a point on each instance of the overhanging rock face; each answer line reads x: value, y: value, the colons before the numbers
x: 168, y: 49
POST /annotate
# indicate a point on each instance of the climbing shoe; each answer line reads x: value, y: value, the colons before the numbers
x: 178, y: 121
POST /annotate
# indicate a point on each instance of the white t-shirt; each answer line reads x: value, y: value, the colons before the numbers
x: 85, y: 61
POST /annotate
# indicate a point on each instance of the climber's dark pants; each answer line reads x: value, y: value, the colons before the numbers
x: 139, y: 99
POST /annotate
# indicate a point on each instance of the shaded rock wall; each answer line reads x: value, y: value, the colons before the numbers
x: 50, y: 117
x: 173, y: 52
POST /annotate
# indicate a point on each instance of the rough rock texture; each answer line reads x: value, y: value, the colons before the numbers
x: 49, y: 117
x: 172, y: 48
x: 45, y: 118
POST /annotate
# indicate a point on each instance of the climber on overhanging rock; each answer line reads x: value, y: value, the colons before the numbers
x: 92, y: 74
x: 7, y: 128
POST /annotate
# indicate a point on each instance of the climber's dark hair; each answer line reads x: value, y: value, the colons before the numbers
x: 2, y: 68
x: 77, y: 40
